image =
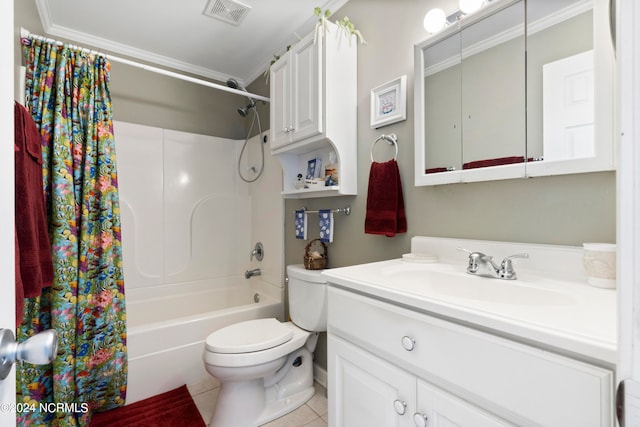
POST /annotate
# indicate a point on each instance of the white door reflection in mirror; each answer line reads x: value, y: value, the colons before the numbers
x: 569, y: 108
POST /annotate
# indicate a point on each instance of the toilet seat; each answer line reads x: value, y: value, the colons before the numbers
x: 298, y: 339
x: 248, y: 336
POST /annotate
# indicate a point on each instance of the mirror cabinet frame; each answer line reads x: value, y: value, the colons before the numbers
x: 604, y: 81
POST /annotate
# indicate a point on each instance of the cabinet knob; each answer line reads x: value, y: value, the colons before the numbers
x: 286, y: 130
x: 420, y: 420
x: 400, y: 406
x: 408, y: 343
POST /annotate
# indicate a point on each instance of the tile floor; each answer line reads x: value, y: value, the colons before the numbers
x: 312, y: 414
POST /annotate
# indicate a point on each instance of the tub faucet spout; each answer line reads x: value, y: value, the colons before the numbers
x: 250, y: 273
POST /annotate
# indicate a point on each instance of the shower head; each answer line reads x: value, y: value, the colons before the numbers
x: 245, y: 110
x: 233, y: 84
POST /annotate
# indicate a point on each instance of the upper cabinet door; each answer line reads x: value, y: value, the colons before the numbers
x: 280, y: 102
x: 306, y: 69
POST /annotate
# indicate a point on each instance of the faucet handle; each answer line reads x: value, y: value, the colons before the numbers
x: 506, y: 268
x: 257, y: 252
x: 474, y: 257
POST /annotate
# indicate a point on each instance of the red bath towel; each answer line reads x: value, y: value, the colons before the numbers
x: 385, y: 202
x: 34, y: 268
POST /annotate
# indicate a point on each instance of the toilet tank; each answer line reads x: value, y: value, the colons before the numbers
x: 307, y: 298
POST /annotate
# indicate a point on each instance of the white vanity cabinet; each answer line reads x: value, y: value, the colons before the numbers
x: 385, y: 359
x: 313, y: 90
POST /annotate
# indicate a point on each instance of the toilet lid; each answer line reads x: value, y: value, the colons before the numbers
x: 249, y: 336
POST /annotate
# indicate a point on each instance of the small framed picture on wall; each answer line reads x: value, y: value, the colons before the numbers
x: 389, y: 103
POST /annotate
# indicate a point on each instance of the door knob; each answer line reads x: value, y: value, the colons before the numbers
x: 39, y: 349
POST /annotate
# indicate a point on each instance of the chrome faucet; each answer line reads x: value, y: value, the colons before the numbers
x: 483, y: 265
x: 250, y: 273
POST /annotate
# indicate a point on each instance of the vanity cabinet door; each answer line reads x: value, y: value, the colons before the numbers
x: 437, y: 408
x: 367, y: 391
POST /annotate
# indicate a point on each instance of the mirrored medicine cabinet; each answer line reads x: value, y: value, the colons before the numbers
x: 521, y: 88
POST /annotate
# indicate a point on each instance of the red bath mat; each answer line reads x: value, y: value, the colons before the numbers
x: 175, y: 408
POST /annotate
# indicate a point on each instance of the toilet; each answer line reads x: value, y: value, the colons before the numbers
x: 265, y: 367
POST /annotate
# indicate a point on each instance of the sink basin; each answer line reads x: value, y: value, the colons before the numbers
x: 441, y: 280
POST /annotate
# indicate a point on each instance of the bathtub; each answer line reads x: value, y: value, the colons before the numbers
x: 167, y: 326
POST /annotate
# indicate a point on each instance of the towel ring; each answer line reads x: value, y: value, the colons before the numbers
x: 392, y: 139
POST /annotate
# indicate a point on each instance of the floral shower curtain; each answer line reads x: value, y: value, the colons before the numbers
x: 67, y: 92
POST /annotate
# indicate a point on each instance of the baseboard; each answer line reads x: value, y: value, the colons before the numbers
x: 320, y: 375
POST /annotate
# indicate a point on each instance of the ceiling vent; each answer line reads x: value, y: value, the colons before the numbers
x: 230, y: 11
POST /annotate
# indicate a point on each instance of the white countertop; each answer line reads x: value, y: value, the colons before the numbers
x: 565, y: 314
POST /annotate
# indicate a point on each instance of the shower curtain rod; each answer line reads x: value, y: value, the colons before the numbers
x: 25, y: 34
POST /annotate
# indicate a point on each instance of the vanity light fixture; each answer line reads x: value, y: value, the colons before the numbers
x: 435, y: 20
x: 470, y: 6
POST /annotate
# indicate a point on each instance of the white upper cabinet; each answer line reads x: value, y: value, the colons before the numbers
x: 314, y: 112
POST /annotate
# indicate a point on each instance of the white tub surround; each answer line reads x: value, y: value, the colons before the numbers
x: 435, y: 341
x: 188, y: 231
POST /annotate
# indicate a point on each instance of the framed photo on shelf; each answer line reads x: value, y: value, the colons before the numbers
x: 389, y: 103
x: 311, y: 168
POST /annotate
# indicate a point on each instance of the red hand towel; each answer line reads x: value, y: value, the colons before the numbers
x: 385, y: 202
x: 32, y: 239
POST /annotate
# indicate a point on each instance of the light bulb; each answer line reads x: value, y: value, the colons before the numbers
x: 434, y: 20
x: 470, y: 6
